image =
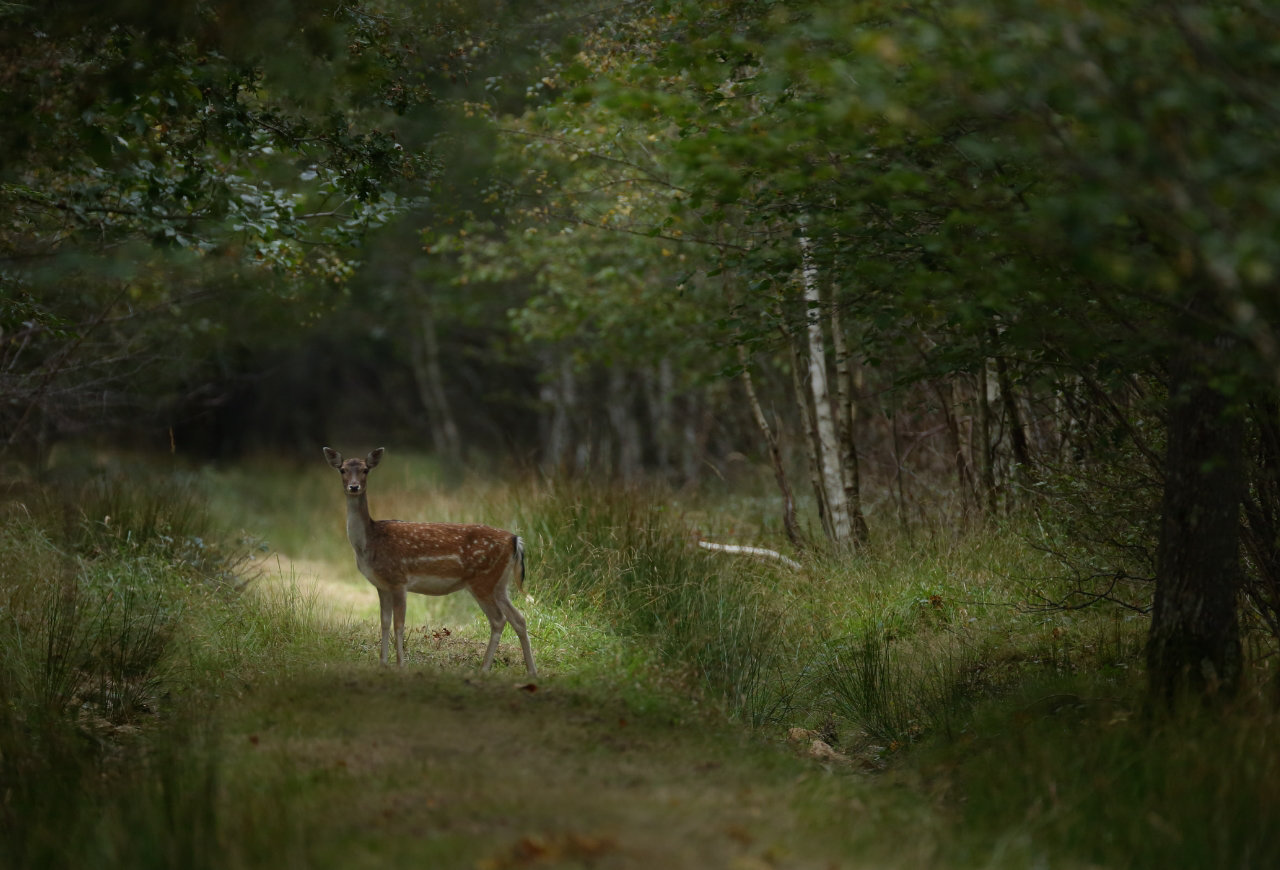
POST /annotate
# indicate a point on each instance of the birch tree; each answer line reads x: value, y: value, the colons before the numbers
x: 828, y: 452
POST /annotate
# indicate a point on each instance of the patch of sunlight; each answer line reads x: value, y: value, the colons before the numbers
x: 341, y: 594
x: 336, y: 597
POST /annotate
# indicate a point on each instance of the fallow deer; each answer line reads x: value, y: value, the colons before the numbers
x: 431, y: 559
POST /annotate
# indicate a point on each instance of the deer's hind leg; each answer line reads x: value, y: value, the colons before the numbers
x: 516, y: 618
x: 497, y: 622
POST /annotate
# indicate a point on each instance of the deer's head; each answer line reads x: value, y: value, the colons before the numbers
x: 355, y: 472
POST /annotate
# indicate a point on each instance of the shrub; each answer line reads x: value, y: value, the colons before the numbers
x: 101, y: 571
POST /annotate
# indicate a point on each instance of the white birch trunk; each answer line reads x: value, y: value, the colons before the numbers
x: 824, y: 420
x: 804, y: 404
x: 751, y: 551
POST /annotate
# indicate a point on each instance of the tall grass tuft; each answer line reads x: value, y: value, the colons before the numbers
x: 625, y: 556
x: 894, y: 694
x: 105, y: 753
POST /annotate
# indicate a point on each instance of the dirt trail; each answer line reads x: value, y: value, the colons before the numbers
x: 439, y: 765
x: 455, y: 771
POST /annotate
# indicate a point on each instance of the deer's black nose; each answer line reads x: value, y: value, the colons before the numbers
x: 353, y: 487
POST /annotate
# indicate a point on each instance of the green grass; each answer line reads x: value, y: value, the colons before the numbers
x: 625, y: 559
x: 905, y: 658
x: 122, y: 620
x: 167, y: 700
x: 1071, y: 772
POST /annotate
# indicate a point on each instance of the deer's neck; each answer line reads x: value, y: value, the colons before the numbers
x: 359, y: 523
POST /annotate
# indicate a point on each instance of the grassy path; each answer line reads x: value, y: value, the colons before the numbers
x: 160, y: 722
x: 441, y: 766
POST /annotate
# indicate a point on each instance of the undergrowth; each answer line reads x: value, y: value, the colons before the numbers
x: 938, y: 661
x: 623, y: 556
x: 932, y: 662
x: 1075, y: 772
x: 113, y: 585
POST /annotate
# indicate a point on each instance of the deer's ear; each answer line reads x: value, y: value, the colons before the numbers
x: 375, y: 456
x: 334, y: 457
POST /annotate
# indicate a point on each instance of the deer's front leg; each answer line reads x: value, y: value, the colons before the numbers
x: 398, y: 605
x: 384, y: 602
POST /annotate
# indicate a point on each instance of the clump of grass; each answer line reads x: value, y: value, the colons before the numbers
x: 104, y: 573
x: 923, y: 628
x: 623, y: 555
x: 894, y: 694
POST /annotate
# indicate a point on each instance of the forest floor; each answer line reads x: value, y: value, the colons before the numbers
x: 442, y: 766
x: 957, y: 731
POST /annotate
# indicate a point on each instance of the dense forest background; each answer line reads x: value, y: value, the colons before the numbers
x: 933, y: 262
x: 887, y: 395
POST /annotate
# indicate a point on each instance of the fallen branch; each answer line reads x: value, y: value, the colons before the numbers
x: 751, y: 551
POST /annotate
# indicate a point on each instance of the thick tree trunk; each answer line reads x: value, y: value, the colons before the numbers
x: 1194, y: 644
x: 559, y: 394
x: 693, y: 443
x: 964, y: 477
x: 660, y: 394
x: 775, y: 454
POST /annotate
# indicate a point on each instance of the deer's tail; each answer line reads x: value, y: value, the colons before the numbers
x: 519, y: 554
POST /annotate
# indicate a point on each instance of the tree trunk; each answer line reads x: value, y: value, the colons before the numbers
x: 1194, y: 642
x: 560, y: 395
x: 693, y: 440
x: 847, y: 414
x: 824, y: 420
x: 1017, y: 434
x: 804, y: 404
x: 982, y: 445
x: 622, y: 419
x: 775, y: 454
x: 660, y: 393
x: 429, y: 378
x: 964, y: 478
x: 1261, y: 532
x: 897, y: 473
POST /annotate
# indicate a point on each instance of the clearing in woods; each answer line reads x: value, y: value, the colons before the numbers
x: 444, y: 767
